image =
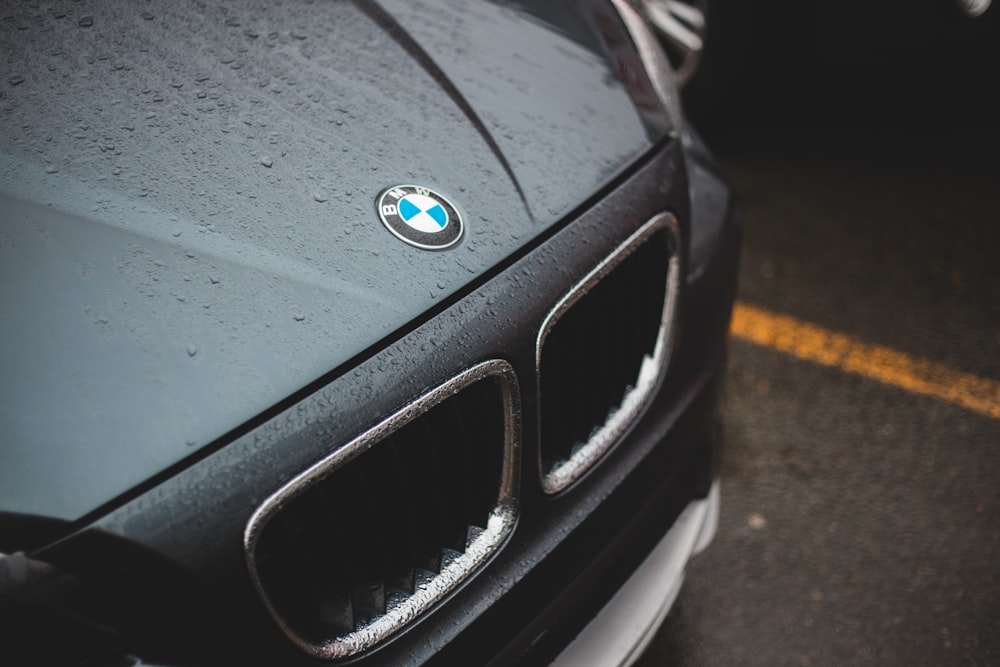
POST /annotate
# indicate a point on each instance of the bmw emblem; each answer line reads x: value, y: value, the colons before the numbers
x: 419, y: 216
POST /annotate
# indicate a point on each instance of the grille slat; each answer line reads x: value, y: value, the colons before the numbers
x: 403, y: 552
x: 603, y: 350
x: 355, y: 547
x: 430, y: 469
x: 453, y: 469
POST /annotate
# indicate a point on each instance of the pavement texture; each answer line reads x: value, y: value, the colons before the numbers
x: 860, y: 521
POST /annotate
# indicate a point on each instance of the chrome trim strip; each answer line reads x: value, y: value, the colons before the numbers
x: 682, y: 25
x: 661, y: 73
x: 652, y: 370
x: 479, y: 549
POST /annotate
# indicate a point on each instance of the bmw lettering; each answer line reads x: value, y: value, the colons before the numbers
x: 419, y: 216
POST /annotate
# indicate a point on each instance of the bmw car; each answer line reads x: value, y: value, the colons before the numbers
x: 371, y: 333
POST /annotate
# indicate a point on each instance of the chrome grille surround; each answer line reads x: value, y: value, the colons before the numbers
x: 454, y: 570
x: 652, y: 369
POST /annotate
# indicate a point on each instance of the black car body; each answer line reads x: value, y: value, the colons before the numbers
x: 241, y: 420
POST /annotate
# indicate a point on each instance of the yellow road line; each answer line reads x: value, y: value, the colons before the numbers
x: 836, y: 350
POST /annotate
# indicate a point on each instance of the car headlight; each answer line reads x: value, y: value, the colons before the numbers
x: 655, y: 61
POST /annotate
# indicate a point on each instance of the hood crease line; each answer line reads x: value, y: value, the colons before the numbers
x: 385, y: 20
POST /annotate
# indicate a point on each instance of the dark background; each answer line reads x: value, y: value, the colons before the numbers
x: 903, y: 66
x: 860, y: 523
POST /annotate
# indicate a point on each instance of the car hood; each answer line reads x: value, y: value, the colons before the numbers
x: 188, y: 234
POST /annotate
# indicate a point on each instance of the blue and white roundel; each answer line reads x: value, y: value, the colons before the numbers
x: 423, y: 213
x: 419, y: 216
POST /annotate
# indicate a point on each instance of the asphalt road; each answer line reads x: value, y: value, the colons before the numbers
x: 860, y: 521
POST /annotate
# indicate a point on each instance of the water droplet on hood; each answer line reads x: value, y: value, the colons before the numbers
x: 86, y: 21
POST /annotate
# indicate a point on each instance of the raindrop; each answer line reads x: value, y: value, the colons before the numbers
x: 319, y: 196
x: 299, y: 317
x: 51, y: 170
x: 192, y: 350
x: 267, y: 162
x: 15, y: 80
x: 86, y: 21
x: 214, y: 280
x: 147, y: 16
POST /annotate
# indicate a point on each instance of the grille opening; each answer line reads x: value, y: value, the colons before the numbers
x: 603, y: 351
x: 360, y: 549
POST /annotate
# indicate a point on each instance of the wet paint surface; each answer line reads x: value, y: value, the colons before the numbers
x: 187, y: 223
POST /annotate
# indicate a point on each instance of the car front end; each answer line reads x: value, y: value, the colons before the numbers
x: 352, y: 333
